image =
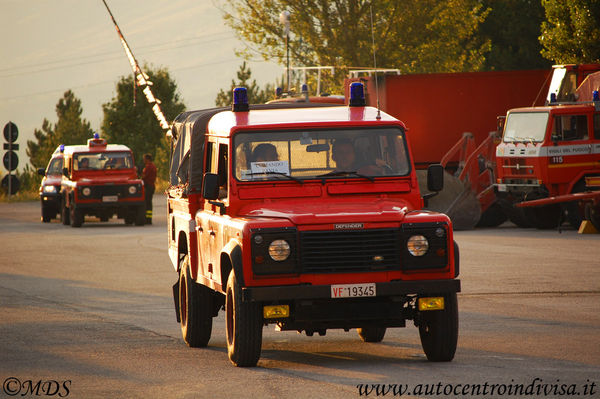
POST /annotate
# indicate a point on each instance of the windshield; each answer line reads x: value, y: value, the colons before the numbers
x: 103, y: 161
x: 55, y: 167
x: 354, y: 153
x: 525, y: 127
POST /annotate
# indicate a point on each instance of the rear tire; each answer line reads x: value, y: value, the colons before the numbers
x: 195, y: 305
x: 438, y: 330
x: 244, y: 325
x: 371, y: 334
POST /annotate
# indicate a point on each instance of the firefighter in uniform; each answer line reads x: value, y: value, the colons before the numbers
x: 149, y: 178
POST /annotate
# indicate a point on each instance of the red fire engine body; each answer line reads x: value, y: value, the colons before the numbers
x: 264, y: 222
x: 550, y: 151
x: 100, y: 179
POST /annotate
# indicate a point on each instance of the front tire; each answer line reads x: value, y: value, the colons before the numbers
x: 65, y: 214
x: 76, y: 216
x: 47, y: 214
x: 592, y: 213
x: 371, y: 334
x: 438, y: 330
x: 243, y: 324
x: 195, y: 304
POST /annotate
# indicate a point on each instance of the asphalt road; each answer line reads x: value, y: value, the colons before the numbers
x: 88, y: 313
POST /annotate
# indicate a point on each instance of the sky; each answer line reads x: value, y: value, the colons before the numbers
x: 50, y: 46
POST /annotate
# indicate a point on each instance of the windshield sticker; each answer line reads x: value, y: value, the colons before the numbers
x: 270, y: 167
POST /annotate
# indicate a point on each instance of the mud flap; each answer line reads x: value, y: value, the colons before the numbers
x: 176, y: 300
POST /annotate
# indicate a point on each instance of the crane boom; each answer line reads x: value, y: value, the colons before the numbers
x: 141, y: 79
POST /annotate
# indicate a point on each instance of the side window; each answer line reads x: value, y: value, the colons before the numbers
x: 570, y: 127
x: 209, y: 151
x: 597, y: 126
x: 223, y: 167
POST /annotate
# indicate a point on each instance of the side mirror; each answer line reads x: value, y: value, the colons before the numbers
x: 435, y: 177
x: 210, y: 186
x: 66, y: 172
x: 41, y: 171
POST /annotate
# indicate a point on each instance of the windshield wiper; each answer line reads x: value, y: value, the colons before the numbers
x: 346, y: 173
x: 276, y: 173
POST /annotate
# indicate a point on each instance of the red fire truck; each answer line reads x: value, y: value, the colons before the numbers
x: 308, y: 217
x: 100, y: 179
x: 549, y: 151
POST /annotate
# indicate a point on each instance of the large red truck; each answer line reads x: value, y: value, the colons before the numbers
x: 306, y: 217
x: 548, y: 152
x: 449, y: 117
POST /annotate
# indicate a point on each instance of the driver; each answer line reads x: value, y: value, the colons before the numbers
x: 343, y: 155
x: 265, y: 152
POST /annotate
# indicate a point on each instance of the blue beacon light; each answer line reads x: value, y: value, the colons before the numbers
x: 96, y: 136
x: 61, y: 148
x: 596, y: 95
x: 357, y: 95
x: 240, y: 100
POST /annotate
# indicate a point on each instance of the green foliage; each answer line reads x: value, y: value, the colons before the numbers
x: 69, y: 129
x: 412, y: 35
x: 571, y: 32
x: 255, y: 94
x: 135, y: 125
x: 513, y: 28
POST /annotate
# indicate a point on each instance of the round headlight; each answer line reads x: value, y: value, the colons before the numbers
x: 86, y: 191
x: 417, y: 245
x: 132, y: 190
x: 279, y: 250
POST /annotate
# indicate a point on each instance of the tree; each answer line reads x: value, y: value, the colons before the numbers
x: 69, y: 129
x: 571, y: 31
x: 513, y: 28
x: 255, y: 94
x: 135, y: 125
x: 413, y: 35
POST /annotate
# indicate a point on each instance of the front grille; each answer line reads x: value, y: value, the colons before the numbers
x: 350, y: 251
x: 121, y: 191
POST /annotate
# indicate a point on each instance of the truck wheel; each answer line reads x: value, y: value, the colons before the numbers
x: 140, y: 216
x: 592, y: 213
x: 438, y: 330
x: 65, y: 214
x: 243, y: 324
x: 494, y: 216
x: 371, y: 334
x: 76, y: 216
x: 195, y: 304
x: 47, y: 214
x: 576, y: 209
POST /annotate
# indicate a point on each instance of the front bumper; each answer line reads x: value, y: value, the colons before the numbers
x: 393, y: 288
x: 312, y: 309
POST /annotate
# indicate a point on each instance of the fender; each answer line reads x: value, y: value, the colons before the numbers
x: 233, y: 251
x: 181, y: 229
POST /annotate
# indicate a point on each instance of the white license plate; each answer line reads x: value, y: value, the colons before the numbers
x: 110, y: 198
x: 353, y: 290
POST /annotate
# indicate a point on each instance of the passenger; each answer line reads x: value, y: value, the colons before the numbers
x: 264, y: 152
x: 84, y: 163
